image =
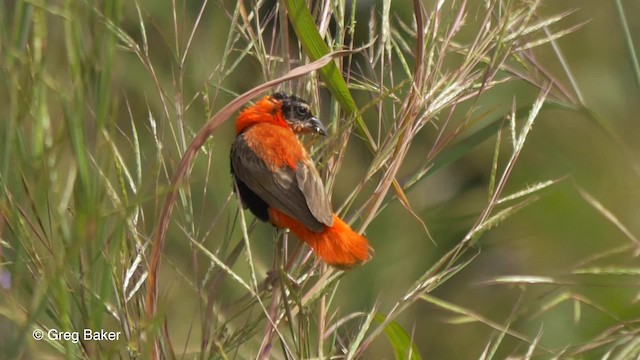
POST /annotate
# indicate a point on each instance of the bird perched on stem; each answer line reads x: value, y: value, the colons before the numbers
x: 277, y: 180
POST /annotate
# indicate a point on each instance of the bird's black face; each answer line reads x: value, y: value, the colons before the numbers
x: 297, y: 113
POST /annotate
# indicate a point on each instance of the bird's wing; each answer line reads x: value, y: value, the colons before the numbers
x: 311, y: 186
x: 298, y: 192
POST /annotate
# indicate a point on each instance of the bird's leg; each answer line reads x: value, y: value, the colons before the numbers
x: 278, y: 272
x: 290, y: 262
x: 274, y: 274
x: 293, y: 257
x: 281, y: 253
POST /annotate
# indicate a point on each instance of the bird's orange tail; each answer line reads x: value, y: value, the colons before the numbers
x: 337, y: 245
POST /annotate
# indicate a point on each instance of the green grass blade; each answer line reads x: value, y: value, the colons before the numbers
x: 313, y: 45
x: 401, y: 342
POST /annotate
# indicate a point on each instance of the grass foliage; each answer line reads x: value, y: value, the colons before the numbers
x: 116, y: 206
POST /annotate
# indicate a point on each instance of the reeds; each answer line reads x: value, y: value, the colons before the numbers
x: 117, y: 209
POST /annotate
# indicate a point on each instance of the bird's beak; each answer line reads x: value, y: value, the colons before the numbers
x: 315, y: 126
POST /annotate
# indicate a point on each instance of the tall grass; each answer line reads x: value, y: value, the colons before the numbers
x: 117, y: 209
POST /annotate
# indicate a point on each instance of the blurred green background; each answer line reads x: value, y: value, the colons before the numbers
x: 551, y: 237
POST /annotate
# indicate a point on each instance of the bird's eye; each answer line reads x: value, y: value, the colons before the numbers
x: 301, y: 111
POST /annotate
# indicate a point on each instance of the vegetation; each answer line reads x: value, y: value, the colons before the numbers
x: 486, y: 149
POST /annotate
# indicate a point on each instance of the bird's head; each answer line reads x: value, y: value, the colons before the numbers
x: 284, y: 110
x: 298, y: 115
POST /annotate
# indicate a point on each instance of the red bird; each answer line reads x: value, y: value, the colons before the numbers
x: 278, y: 182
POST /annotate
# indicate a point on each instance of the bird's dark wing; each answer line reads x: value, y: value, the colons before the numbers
x: 311, y: 186
x: 298, y: 192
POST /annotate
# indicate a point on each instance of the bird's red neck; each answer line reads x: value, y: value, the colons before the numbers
x: 267, y: 110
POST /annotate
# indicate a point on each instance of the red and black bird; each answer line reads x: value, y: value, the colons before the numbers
x: 277, y: 180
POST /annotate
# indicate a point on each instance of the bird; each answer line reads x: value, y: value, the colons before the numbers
x: 277, y: 180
